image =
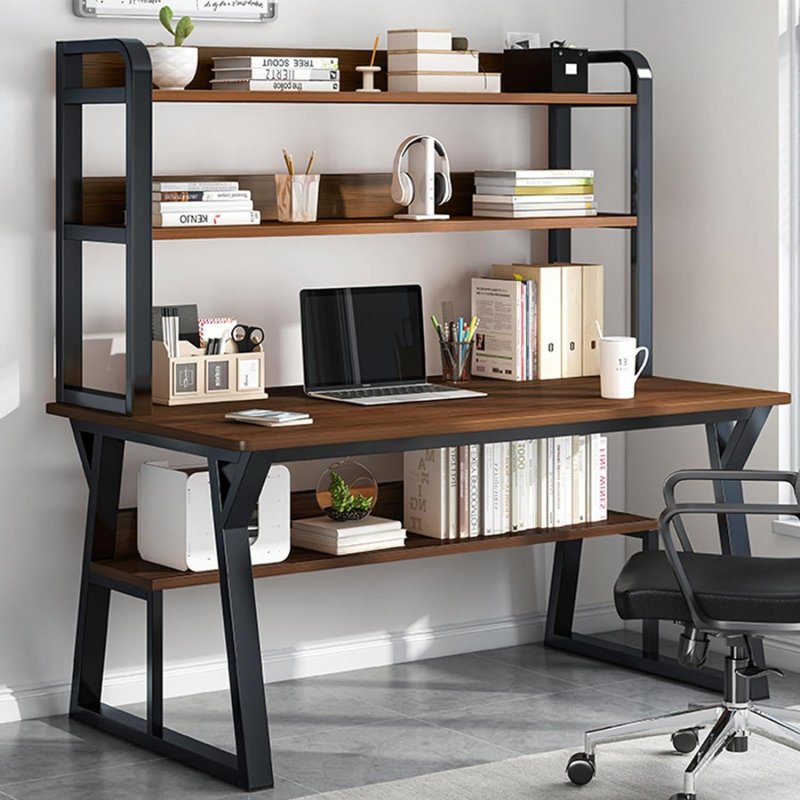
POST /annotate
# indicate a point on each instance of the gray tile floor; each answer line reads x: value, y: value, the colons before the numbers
x: 356, y: 728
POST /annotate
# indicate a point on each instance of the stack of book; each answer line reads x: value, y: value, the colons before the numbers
x: 522, y: 193
x: 276, y: 74
x: 340, y: 538
x: 191, y: 203
x: 506, y: 487
x: 538, y: 321
x: 423, y: 60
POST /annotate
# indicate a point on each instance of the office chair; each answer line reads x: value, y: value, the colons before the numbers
x: 734, y: 598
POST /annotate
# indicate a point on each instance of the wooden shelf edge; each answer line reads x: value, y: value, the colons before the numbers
x: 399, y: 98
x: 356, y: 226
x: 153, y: 577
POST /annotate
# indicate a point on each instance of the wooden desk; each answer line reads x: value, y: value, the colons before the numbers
x: 239, y: 457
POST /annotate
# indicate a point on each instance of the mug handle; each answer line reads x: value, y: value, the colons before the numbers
x: 636, y: 352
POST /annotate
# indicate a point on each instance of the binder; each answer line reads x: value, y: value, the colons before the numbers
x: 592, y: 310
x: 547, y: 278
x: 571, y: 321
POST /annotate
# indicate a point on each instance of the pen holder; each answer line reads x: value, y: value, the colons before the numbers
x: 297, y: 197
x: 456, y: 360
x: 368, y: 78
x: 194, y: 377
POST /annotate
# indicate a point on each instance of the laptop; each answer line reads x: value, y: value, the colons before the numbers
x: 365, y: 345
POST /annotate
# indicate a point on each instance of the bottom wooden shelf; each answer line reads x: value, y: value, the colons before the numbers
x: 151, y: 577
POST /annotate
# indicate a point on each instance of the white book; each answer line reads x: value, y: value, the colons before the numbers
x: 192, y: 207
x: 532, y: 484
x: 497, y: 488
x: 276, y: 86
x: 517, y: 175
x: 279, y: 62
x: 520, y: 475
x: 562, y: 494
x: 548, y: 312
x: 425, y: 492
x: 543, y: 194
x: 195, y: 186
x: 475, y: 486
x: 222, y: 74
x: 463, y: 491
x: 433, y: 61
x: 571, y: 321
x: 356, y: 539
x: 200, y: 197
x: 505, y: 487
x: 498, y: 303
x: 533, y: 330
x: 592, y: 310
x: 534, y: 202
x: 534, y: 214
x: 452, y: 492
x: 488, y: 490
x: 336, y: 549
x: 578, y: 480
x: 506, y: 182
x: 598, y: 478
x: 187, y: 219
x: 544, y: 483
x: 325, y: 526
x: 481, y: 82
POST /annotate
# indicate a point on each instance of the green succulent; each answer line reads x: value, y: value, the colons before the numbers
x: 343, y: 500
x: 181, y: 31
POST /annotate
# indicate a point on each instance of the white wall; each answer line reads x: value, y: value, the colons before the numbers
x: 720, y: 307
x: 309, y: 623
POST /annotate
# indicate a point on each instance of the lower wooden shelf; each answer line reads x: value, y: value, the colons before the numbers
x: 151, y: 577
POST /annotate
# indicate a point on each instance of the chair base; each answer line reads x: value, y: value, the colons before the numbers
x: 730, y: 725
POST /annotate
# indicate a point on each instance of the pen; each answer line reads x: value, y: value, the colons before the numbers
x: 311, y: 161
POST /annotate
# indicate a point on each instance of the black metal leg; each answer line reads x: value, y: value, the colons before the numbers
x: 103, y: 462
x: 651, y: 645
x: 155, y: 663
x: 235, y: 488
x: 560, y: 635
x: 729, y: 447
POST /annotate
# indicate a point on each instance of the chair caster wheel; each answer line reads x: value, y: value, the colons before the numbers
x: 580, y: 768
x: 685, y: 741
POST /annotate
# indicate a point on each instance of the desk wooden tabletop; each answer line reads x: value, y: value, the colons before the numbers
x: 508, y: 407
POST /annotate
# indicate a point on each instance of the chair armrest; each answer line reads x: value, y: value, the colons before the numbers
x: 672, y: 514
x: 762, y: 475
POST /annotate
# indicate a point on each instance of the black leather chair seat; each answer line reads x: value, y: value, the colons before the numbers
x: 734, y: 588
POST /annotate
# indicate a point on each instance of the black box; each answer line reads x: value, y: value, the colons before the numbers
x: 546, y: 69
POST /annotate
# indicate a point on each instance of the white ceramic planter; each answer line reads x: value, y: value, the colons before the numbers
x: 173, y: 67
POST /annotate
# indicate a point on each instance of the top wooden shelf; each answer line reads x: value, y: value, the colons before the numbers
x: 398, y: 98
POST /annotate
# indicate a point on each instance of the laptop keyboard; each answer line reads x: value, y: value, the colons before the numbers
x: 390, y: 391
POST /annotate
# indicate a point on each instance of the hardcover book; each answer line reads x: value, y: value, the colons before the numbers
x: 426, y: 492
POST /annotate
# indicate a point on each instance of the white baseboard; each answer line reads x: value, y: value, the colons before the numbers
x: 187, y: 678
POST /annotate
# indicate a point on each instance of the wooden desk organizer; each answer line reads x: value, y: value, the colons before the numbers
x: 194, y: 377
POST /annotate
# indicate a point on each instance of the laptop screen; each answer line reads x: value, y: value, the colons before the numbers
x: 364, y: 336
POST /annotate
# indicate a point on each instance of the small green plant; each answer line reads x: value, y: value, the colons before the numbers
x: 343, y: 500
x: 181, y: 31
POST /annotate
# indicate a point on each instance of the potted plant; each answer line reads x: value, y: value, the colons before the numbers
x: 345, y: 505
x: 174, y: 66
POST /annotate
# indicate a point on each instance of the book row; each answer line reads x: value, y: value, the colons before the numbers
x: 193, y: 203
x: 505, y: 487
x: 538, y: 321
x: 276, y: 74
x: 517, y: 194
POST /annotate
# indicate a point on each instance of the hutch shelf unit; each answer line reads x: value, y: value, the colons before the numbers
x: 239, y: 456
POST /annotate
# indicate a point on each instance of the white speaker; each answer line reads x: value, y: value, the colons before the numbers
x: 176, y: 525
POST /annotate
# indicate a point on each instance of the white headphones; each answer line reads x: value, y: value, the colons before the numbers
x: 403, y: 185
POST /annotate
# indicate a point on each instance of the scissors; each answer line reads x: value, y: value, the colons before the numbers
x: 247, y: 337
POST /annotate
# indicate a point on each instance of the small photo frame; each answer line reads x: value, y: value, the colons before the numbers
x: 185, y: 378
x: 217, y: 376
x: 249, y: 374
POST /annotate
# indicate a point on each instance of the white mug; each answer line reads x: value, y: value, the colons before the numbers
x: 618, y: 373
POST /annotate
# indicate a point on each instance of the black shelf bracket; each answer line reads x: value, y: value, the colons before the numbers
x: 136, y: 235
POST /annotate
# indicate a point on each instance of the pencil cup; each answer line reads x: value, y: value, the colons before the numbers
x: 456, y: 359
x: 297, y: 197
x: 368, y: 78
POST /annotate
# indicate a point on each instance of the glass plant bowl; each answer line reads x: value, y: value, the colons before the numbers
x: 347, y: 491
